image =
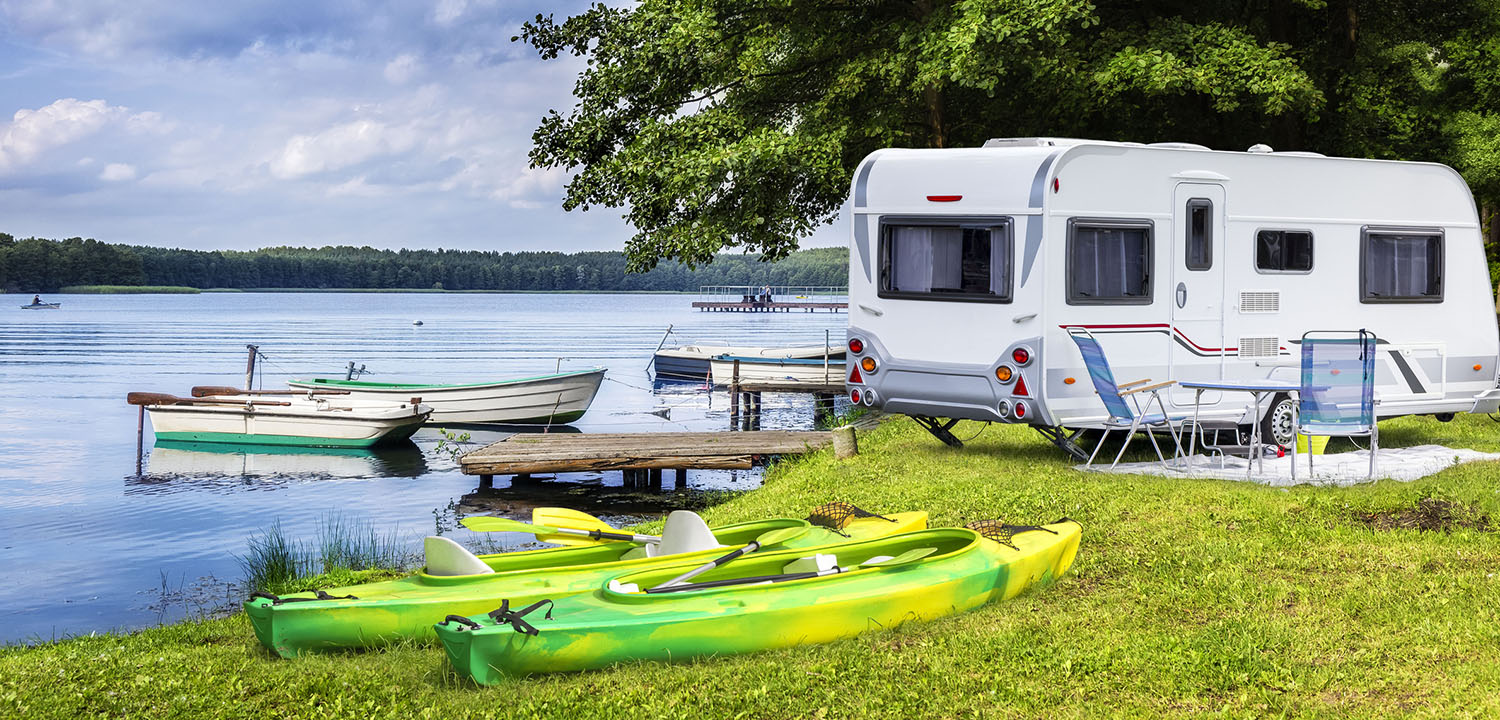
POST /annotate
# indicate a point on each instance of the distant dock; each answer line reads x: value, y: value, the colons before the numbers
x: 780, y: 298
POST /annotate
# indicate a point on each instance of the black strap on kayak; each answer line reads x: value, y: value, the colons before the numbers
x: 318, y: 595
x: 461, y: 620
x: 504, y: 614
x: 1001, y: 533
x: 837, y: 514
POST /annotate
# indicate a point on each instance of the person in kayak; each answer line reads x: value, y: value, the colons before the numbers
x: 36, y: 300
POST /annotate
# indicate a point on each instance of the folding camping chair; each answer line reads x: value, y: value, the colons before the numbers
x: 1338, y: 388
x: 1121, y: 415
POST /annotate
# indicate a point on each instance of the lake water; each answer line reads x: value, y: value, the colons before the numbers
x: 90, y: 542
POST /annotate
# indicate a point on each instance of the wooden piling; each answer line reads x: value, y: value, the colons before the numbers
x: 845, y: 445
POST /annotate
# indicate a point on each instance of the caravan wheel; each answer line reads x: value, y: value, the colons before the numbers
x: 1278, y: 424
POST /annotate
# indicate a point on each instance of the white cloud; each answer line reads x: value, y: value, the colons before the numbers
x: 340, y: 147
x: 534, y: 188
x: 33, y: 132
x: 116, y: 172
x: 401, y: 70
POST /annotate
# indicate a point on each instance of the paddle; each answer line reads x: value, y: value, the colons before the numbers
x: 148, y: 398
x: 569, y: 519
x: 767, y: 538
x: 495, y: 524
x: 902, y: 559
x: 207, y: 390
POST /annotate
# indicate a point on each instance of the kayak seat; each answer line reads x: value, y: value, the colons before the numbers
x: 684, y: 532
x: 445, y: 557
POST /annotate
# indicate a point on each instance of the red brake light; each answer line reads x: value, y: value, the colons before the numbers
x: 944, y: 198
x: 1021, y: 355
x: 1020, y: 411
x: 854, y: 396
x: 856, y: 345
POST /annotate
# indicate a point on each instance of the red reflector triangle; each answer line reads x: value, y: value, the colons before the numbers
x: 1020, y: 390
x: 855, y: 377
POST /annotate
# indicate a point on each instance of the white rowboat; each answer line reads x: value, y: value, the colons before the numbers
x: 294, y: 420
x: 694, y: 362
x: 547, y: 399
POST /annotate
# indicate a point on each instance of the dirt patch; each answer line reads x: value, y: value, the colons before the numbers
x: 1429, y: 515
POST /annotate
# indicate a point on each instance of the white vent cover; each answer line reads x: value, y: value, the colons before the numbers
x: 1259, y: 347
x: 1260, y: 301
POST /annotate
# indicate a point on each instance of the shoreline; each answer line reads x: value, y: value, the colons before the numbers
x: 184, y: 290
x: 1188, y: 597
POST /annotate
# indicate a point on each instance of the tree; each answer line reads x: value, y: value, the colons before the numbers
x: 725, y: 123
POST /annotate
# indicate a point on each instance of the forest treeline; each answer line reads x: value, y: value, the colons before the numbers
x: 43, y: 265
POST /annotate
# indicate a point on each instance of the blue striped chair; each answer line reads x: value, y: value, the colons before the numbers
x: 1338, y: 388
x: 1122, y: 416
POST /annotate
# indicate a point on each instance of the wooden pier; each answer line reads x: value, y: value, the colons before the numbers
x: 772, y: 306
x: 769, y: 298
x: 642, y: 456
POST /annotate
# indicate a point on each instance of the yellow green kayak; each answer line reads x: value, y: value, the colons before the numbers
x: 374, y: 614
x: 759, y: 602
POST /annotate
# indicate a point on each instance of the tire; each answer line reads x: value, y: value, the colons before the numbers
x: 1277, y: 424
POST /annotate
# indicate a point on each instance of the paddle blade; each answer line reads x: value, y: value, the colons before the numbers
x: 782, y: 535
x: 912, y: 555
x: 208, y: 390
x: 499, y: 524
x: 149, y: 398
x: 565, y: 518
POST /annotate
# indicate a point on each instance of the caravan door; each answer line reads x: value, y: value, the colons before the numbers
x: 1197, y: 289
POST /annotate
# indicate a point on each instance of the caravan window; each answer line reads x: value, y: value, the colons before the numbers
x: 961, y: 261
x: 1278, y: 251
x: 1200, y: 234
x: 1109, y: 262
x: 1400, y: 265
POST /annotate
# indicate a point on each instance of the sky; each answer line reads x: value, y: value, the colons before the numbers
x: 251, y: 123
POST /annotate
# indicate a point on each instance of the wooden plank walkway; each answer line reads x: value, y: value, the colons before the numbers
x: 552, y: 453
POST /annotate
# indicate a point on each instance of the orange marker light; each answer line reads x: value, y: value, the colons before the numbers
x: 868, y: 364
x: 1069, y: 381
x: 1003, y: 373
x: 1477, y: 368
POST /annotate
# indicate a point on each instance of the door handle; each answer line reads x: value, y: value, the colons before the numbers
x: 1181, y: 294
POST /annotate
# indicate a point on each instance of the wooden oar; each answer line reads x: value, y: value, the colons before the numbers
x: 902, y: 559
x: 767, y: 538
x: 495, y: 524
x: 148, y: 398
x: 207, y: 390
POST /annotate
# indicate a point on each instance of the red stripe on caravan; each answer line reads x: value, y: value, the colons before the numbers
x: 1153, y: 326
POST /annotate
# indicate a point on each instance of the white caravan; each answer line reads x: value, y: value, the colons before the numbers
x: 1185, y: 263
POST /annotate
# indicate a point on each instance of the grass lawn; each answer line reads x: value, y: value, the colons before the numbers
x: 1188, y: 597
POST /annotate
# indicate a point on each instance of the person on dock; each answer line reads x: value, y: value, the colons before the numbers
x: 765, y: 294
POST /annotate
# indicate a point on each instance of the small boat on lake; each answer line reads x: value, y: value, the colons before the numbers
x: 302, y: 420
x: 812, y: 371
x: 694, y: 362
x: 542, y: 400
x: 42, y: 306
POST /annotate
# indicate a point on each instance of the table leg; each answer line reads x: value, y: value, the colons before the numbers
x: 1254, y: 454
x: 1193, y: 439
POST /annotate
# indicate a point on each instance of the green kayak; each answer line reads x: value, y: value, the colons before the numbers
x: 379, y: 613
x: 930, y: 574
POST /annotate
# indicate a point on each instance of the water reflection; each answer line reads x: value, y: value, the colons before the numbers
x: 175, y: 463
